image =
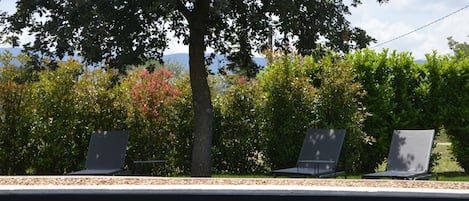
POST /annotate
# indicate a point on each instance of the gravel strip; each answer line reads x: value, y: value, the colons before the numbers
x: 125, y: 180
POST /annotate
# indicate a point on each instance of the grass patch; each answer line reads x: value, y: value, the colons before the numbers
x: 453, y: 176
x: 447, y: 163
x: 441, y: 137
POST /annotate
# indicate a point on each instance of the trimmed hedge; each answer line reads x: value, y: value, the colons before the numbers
x: 259, y: 123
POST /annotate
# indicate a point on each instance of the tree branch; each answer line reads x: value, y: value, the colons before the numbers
x: 183, y: 9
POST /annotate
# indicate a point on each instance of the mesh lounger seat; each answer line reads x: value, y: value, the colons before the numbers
x: 409, y: 155
x: 106, y: 153
x: 319, y: 154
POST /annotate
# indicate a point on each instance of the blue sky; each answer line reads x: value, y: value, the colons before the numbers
x: 388, y: 21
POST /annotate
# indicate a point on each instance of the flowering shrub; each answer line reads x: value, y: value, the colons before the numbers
x: 149, y: 105
x: 152, y: 91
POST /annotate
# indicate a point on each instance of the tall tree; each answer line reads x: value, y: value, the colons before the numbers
x: 124, y: 32
x: 460, y: 49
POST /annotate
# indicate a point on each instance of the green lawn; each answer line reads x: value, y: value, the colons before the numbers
x: 447, y: 163
x: 447, y: 167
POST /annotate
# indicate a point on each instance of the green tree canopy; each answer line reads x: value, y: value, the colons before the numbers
x: 460, y: 50
x: 127, y: 32
x: 124, y: 32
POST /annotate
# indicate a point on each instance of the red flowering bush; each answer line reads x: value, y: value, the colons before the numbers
x: 150, y: 110
x: 152, y: 91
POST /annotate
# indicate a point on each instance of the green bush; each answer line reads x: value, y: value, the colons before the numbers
x: 57, y: 134
x: 456, y: 107
x: 338, y: 106
x: 47, y: 123
x: 374, y: 73
x: 99, y: 101
x: 288, y: 109
x: 399, y: 95
x: 15, y: 118
x: 98, y: 107
x: 238, y: 141
x: 47, y: 116
x: 182, y: 126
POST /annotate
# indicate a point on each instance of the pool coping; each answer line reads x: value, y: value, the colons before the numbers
x: 150, y: 188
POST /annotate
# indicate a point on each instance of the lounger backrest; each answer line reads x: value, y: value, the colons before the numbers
x: 323, y: 145
x: 107, y: 150
x: 410, y: 150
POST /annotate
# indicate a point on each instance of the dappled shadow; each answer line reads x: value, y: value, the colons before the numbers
x: 322, y: 145
x: 410, y: 151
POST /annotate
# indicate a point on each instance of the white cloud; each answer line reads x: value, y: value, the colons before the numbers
x: 397, y: 17
x: 176, y: 47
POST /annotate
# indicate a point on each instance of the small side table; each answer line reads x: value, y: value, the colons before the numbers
x: 140, y: 167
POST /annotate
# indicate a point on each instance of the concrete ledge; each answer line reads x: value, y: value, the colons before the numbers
x: 129, y: 188
x: 222, y: 192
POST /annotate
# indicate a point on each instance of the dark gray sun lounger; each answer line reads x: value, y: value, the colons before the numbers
x: 319, y: 154
x: 106, y: 153
x: 409, y: 155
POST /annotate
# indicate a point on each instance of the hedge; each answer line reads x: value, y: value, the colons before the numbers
x: 259, y: 123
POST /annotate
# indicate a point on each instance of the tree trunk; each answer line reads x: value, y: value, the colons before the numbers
x: 201, y: 152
